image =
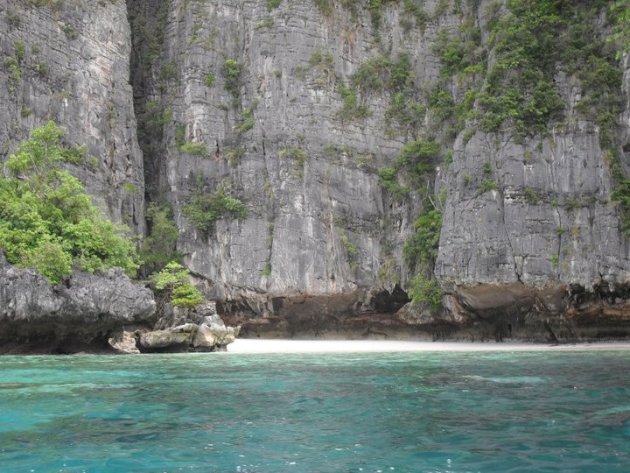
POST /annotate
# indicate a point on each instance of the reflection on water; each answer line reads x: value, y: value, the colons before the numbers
x: 405, y: 412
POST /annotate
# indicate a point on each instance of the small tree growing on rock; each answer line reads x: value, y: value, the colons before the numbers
x: 175, y: 279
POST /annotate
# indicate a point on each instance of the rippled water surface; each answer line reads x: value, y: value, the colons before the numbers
x: 409, y: 412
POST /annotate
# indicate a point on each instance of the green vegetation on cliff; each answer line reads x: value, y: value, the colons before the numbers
x: 174, y: 279
x: 204, y: 209
x: 159, y: 246
x: 48, y: 221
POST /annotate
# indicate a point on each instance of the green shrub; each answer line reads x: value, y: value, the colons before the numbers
x: 388, y: 180
x: 352, y: 109
x: 619, y: 15
x: 425, y: 291
x: 168, y: 72
x: 196, y: 149
x: 159, y: 247
x: 294, y: 153
x: 15, y: 73
x: 209, y: 79
x: 273, y: 4
x: 175, y: 279
x: 232, y: 71
x: 532, y: 197
x: 422, y: 247
x: 378, y: 75
x: 406, y: 112
x: 419, y: 158
x: 48, y: 221
x: 205, y: 209
x: 248, y: 121
x: 264, y: 23
x: 487, y: 185
x: 234, y: 155
x: 414, y: 9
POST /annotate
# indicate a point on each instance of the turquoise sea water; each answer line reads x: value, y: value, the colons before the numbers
x: 408, y: 412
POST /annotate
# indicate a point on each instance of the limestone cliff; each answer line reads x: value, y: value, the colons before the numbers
x: 297, y: 143
x: 69, y: 62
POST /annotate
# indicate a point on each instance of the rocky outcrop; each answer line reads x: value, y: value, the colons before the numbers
x: 554, y: 313
x: 197, y: 329
x: 99, y: 313
x: 81, y: 313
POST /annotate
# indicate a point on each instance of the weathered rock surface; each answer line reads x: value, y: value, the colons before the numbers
x: 319, y: 223
x: 83, y: 311
x: 72, y: 66
x: 99, y: 312
x: 124, y: 341
x: 199, y: 329
x: 320, y: 252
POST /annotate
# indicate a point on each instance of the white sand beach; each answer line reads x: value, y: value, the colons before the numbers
x: 385, y: 346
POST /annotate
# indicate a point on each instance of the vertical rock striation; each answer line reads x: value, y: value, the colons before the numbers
x: 270, y: 132
x: 69, y: 62
x: 254, y: 101
x: 297, y: 142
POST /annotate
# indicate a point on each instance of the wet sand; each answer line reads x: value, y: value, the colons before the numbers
x: 386, y: 346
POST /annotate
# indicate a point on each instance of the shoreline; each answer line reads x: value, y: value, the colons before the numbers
x: 244, y: 346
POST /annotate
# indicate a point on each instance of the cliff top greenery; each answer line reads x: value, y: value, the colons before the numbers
x: 48, y: 221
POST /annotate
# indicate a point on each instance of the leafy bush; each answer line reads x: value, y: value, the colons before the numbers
x: 175, y: 279
x: 189, y: 147
x: 48, y: 221
x: 294, y: 153
x: 232, y: 71
x: 352, y: 108
x: 209, y: 79
x: 487, y: 185
x: 422, y: 247
x: 159, y: 246
x: 378, y: 75
x: 205, y: 209
x: 425, y: 291
x: 419, y: 158
x: 196, y: 149
x: 273, y: 4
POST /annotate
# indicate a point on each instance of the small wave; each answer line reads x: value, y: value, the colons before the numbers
x: 509, y: 379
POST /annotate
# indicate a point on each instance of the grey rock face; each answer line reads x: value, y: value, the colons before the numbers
x: 318, y: 220
x: 320, y: 227
x: 321, y: 245
x: 550, y: 218
x: 550, y: 226
x: 84, y: 310
x: 71, y: 64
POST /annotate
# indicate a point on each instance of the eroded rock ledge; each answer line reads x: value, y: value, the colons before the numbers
x: 555, y: 313
x: 76, y: 315
x: 99, y: 313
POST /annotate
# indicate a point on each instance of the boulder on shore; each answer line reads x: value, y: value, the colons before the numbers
x: 197, y: 329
